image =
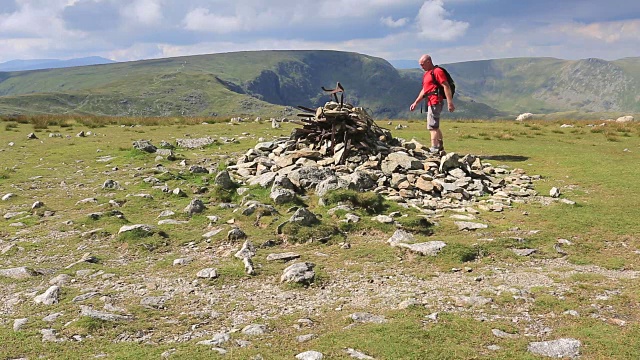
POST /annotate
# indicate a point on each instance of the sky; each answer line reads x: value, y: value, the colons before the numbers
x: 449, y: 30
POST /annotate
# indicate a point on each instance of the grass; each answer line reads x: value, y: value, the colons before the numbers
x: 597, y: 278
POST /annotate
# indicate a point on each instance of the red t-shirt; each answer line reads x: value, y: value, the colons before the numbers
x: 429, y: 86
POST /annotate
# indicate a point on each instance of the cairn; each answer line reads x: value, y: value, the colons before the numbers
x: 341, y: 147
x: 338, y: 126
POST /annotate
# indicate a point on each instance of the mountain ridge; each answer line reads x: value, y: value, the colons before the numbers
x: 273, y: 82
x: 40, y: 64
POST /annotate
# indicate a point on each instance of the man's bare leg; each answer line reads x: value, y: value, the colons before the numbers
x: 438, y: 143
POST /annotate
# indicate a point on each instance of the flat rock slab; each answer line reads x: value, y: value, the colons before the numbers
x: 22, y: 272
x: 430, y: 248
x: 95, y: 314
x: 283, y: 256
x: 142, y: 228
x: 401, y: 236
x: 310, y: 355
x: 561, y: 348
x: 362, y: 317
x: 255, y: 329
x: 467, y: 225
x: 524, y: 252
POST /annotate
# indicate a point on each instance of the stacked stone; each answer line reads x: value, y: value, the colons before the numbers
x: 342, y: 129
x: 407, y: 174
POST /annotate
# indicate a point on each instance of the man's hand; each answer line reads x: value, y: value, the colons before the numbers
x: 451, y: 107
x: 412, y: 107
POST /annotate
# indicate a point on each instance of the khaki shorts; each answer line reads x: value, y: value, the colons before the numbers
x: 433, y: 116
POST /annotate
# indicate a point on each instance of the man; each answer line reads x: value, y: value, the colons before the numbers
x: 434, y: 100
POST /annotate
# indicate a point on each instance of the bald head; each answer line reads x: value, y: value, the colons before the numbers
x: 425, y: 62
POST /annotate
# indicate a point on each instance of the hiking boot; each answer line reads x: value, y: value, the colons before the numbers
x: 434, y: 150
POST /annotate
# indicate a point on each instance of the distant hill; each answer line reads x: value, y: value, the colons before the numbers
x: 273, y: 83
x: 22, y: 65
x: 405, y: 64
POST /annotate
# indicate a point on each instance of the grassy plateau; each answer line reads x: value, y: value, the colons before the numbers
x: 589, y: 291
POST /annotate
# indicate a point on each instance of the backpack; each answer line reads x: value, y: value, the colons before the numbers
x: 440, y: 89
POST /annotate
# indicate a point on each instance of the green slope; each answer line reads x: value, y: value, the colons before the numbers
x: 270, y: 83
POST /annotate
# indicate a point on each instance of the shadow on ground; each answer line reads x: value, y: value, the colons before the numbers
x: 505, y: 157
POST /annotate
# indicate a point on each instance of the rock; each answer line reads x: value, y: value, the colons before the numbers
x: 357, y: 354
x: 212, y: 233
x: 401, y: 236
x: 197, y: 169
x: 37, y: 205
x: 525, y: 116
x: 181, y: 261
x: 172, y: 222
x: 282, y: 196
x: 554, y: 192
x: 466, y: 225
x: 430, y: 248
x: 283, y: 256
x: 449, y: 161
x: 85, y: 296
x: 264, y: 180
x: 255, y: 329
x: 18, y: 324
x: 301, y: 273
x: 303, y: 217
x: 49, y: 297
x: 11, y: 215
x: 464, y: 301
x: 236, y: 234
x: 194, y: 143
x: 22, y: 272
x: 154, y: 302
x: 31, y: 136
x: 625, y: 119
x: 223, y: 180
x: 305, y: 338
x: 144, y: 145
x: 561, y: 348
x: 52, y: 317
x: 247, y: 251
x: 217, y: 340
x: 384, y: 219
x: 49, y: 335
x: 310, y: 355
x: 196, y: 206
x: 179, y: 192
x: 502, y: 334
x: 60, y: 280
x: 8, y: 196
x: 142, y: 229
x: 208, y: 273
x: 523, y: 252
x: 87, y: 311
x: 363, y: 317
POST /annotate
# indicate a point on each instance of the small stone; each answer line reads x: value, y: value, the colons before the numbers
x: 49, y: 297
x: 305, y: 338
x: 18, y: 324
x: 310, y: 355
x: 561, y: 348
x: 208, y: 273
x: 255, y: 329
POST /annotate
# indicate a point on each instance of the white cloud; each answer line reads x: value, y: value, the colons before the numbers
x: 433, y: 25
x: 609, y: 32
x: 200, y: 19
x: 389, y: 22
x: 144, y: 12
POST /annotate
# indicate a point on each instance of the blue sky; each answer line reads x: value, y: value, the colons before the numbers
x: 449, y: 30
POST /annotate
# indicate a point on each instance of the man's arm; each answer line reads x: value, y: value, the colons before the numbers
x: 418, y: 99
x: 447, y: 94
